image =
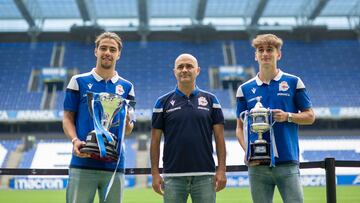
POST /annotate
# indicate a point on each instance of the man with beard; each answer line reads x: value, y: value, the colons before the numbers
x: 87, y: 175
x: 189, y: 118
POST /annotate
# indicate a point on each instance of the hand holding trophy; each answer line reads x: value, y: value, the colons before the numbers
x: 259, y: 151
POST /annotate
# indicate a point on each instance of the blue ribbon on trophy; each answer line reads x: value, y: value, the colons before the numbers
x: 101, y: 144
x: 123, y: 112
x: 273, y: 149
x: 259, y: 120
x: 98, y: 113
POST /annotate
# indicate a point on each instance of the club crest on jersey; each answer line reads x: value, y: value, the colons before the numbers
x: 202, y: 101
x: 283, y: 86
x: 119, y: 89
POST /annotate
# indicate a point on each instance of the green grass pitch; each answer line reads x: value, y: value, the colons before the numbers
x: 345, y: 194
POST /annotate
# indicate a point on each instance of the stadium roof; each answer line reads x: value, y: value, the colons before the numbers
x: 169, y: 15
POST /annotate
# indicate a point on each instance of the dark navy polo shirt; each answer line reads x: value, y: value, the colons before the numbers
x: 286, y: 92
x: 187, y: 125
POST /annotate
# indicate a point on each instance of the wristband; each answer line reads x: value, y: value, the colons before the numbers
x: 74, y: 139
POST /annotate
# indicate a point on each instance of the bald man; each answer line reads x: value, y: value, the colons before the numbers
x: 189, y: 118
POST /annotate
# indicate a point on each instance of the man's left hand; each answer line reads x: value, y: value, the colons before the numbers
x: 279, y: 115
x: 220, y: 180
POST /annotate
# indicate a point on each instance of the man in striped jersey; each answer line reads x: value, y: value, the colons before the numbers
x: 290, y: 105
x: 87, y: 175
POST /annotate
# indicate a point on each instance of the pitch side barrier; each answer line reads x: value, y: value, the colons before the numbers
x: 329, y: 164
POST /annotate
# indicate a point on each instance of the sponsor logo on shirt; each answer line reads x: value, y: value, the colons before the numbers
x: 173, y: 109
x: 203, y: 108
x: 202, y: 101
x: 90, y: 86
x: 283, y: 94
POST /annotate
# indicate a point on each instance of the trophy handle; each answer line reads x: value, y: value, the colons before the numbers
x: 117, y: 123
x: 271, y: 118
x: 242, y: 115
x: 130, y: 104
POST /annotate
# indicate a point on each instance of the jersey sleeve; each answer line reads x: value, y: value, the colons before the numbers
x: 131, y: 95
x: 240, y: 102
x: 157, y: 120
x: 217, y: 114
x: 72, y: 96
x: 302, y: 99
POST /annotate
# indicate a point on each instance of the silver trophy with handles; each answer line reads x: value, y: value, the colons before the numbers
x: 260, y: 148
x: 101, y: 144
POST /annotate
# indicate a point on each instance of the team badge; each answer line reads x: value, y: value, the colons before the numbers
x: 283, y: 86
x: 202, y: 101
x: 119, y: 90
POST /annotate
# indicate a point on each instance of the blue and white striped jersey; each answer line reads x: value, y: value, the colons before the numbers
x: 76, y: 101
x: 286, y: 92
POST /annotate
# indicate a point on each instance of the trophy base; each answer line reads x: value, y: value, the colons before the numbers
x: 259, y: 153
x: 95, y: 154
x: 262, y: 161
x: 91, y: 148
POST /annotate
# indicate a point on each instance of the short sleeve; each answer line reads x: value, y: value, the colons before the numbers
x: 217, y: 114
x: 157, y: 120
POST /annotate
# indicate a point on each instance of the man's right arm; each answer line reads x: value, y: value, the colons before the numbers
x: 70, y: 132
x: 157, y: 181
x: 240, y: 133
x: 240, y: 136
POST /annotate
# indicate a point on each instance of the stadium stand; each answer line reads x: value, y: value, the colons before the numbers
x: 321, y: 46
x: 328, y: 68
x: 6, y: 147
x: 55, y: 153
x: 27, y: 158
x: 149, y: 68
x: 18, y: 60
x: 314, y: 155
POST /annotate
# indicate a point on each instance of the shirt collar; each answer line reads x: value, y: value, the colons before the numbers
x: 276, y: 78
x: 193, y: 93
x: 98, y: 78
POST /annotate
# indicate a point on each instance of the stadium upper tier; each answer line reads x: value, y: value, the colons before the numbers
x: 17, y: 62
x: 329, y: 69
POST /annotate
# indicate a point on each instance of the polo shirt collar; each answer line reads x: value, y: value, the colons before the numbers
x: 276, y: 78
x: 193, y: 93
x: 98, y: 78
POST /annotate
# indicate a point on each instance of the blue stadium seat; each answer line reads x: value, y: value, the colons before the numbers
x: 15, y: 73
x: 328, y: 68
x: 10, y: 146
x: 318, y: 155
